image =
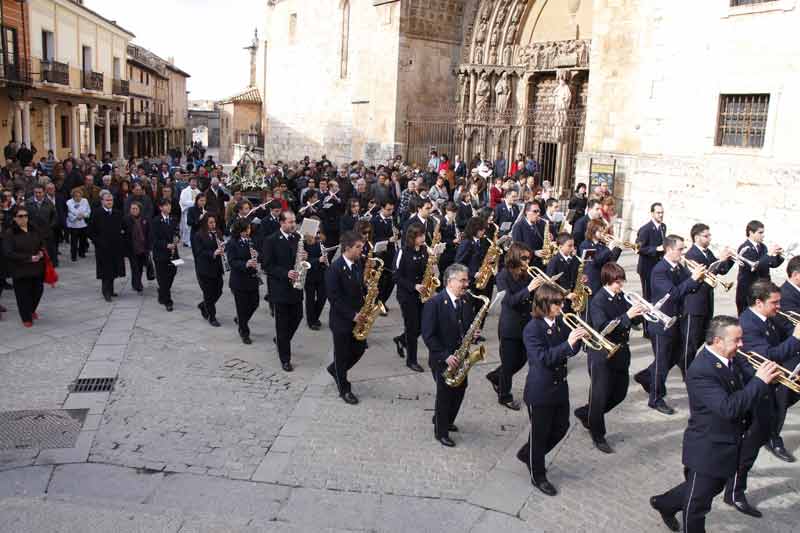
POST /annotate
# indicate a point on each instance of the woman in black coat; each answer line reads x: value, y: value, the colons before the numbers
x: 244, y: 280
x: 137, y: 242
x: 208, y: 248
x: 23, y: 248
x: 409, y: 270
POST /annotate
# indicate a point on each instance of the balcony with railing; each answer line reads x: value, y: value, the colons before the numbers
x: 92, y: 81
x: 55, y: 72
x: 146, y: 119
x: 121, y: 87
x: 18, y: 73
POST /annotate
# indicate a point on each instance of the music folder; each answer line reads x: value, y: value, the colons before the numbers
x: 309, y: 227
x: 380, y: 247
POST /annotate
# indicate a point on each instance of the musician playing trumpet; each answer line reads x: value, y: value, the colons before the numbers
x: 566, y: 264
x: 600, y: 253
x: 758, y: 261
x: 549, y: 344
x: 609, y: 375
x: 315, y: 297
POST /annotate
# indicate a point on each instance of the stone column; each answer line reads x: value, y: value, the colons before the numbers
x: 92, y: 111
x: 18, y: 122
x: 472, y: 95
x: 120, y: 132
x: 26, y: 123
x: 107, y: 130
x: 74, y: 129
x: 51, y: 126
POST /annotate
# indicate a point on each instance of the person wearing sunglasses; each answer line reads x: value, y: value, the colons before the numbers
x: 23, y: 248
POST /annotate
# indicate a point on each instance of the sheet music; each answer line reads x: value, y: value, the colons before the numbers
x: 505, y: 226
x: 497, y: 297
x: 309, y: 227
x: 380, y: 247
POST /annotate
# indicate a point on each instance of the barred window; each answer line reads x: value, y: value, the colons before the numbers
x: 742, y: 120
x: 737, y: 3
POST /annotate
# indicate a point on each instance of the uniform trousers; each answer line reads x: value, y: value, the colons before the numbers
x: 28, y: 292
x: 645, y: 279
x: 608, y: 389
x: 138, y: 263
x: 549, y: 424
x: 667, y: 354
x: 165, y: 275
x: 693, y: 332
x: 287, y: 319
x: 448, y: 401
x: 784, y: 398
x: 246, y: 304
x: 385, y: 285
x: 512, y: 358
x: 212, y: 290
x: 412, y: 322
x: 315, y: 301
x: 693, y: 497
x: 347, y: 351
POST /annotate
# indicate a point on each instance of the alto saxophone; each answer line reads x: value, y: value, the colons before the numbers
x: 371, y: 308
x: 581, y: 291
x: 430, y: 281
x: 301, y: 266
x: 490, y: 261
x: 466, y: 358
x: 549, y: 248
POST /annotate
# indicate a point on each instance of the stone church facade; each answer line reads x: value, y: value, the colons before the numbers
x: 692, y: 101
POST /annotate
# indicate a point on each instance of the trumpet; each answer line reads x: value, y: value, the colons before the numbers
x: 537, y: 272
x: 595, y: 341
x: 742, y: 261
x: 613, y: 242
x: 652, y: 312
x: 785, y: 378
x: 792, y: 316
x: 710, y: 279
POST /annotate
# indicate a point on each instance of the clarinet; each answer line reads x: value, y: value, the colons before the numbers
x: 220, y: 244
x: 258, y: 274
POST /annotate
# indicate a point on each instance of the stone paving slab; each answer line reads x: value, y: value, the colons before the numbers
x: 29, y: 482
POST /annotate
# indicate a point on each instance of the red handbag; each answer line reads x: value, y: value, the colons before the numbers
x: 50, y: 274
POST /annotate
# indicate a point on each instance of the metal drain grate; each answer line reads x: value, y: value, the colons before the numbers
x: 25, y: 430
x: 93, y: 385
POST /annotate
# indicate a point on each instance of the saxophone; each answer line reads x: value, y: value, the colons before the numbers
x: 549, y: 248
x: 371, y: 308
x: 581, y: 291
x: 466, y: 358
x: 300, y: 265
x: 490, y: 261
x: 430, y: 281
x: 368, y: 263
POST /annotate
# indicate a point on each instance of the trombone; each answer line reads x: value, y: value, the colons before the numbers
x: 613, y: 242
x: 785, y: 378
x: 537, y: 272
x: 792, y: 316
x: 652, y: 312
x: 595, y: 340
x: 711, y: 279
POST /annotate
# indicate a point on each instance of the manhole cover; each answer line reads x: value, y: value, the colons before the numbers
x: 93, y: 385
x: 57, y: 428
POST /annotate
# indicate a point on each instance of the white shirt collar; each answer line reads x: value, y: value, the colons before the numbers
x: 453, y: 299
x: 285, y: 235
x: 755, y: 244
x: 609, y: 291
x: 725, y: 361
x: 671, y: 264
x: 347, y: 262
x: 793, y: 285
x: 548, y: 321
x: 656, y: 224
x: 759, y: 315
x: 703, y: 250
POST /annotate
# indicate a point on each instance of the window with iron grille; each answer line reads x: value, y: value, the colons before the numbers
x: 737, y: 3
x: 742, y: 120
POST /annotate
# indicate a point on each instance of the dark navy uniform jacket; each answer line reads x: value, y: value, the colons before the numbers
x: 532, y: 235
x: 701, y: 301
x: 720, y: 401
x: 280, y: 253
x: 206, y: 264
x: 316, y: 274
x: 448, y: 230
x: 790, y: 301
x: 602, y: 256
x: 345, y: 290
x: 758, y: 253
x: 515, y: 310
x: 429, y: 225
x: 408, y: 272
x: 649, y: 238
x: 579, y: 230
x: 162, y: 234
x: 548, y: 351
x: 382, y: 231
x: 770, y: 338
x: 502, y: 213
x: 443, y: 327
x: 465, y: 212
x: 470, y: 253
x: 678, y: 283
x: 243, y: 278
x: 604, y: 308
x: 567, y: 267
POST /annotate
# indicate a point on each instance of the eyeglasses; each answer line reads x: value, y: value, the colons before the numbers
x: 535, y: 211
x: 22, y: 215
x: 558, y: 302
x: 525, y: 258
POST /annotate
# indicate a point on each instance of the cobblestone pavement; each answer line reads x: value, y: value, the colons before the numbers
x: 202, y: 433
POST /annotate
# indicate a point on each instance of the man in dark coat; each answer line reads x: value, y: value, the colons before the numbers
x: 105, y: 231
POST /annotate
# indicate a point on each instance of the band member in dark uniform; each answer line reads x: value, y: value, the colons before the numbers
x: 195, y: 215
x: 280, y: 256
x: 530, y: 231
x: 208, y: 248
x: 364, y: 229
x: 515, y: 313
x: 244, y: 281
x: 602, y: 254
x: 790, y: 290
x: 465, y: 210
x: 698, y: 307
x: 344, y: 283
x: 651, y: 249
x: 348, y: 220
x: 566, y: 264
x: 754, y: 250
x: 165, y: 249
x: 105, y: 231
x: 383, y: 229
x: 446, y: 318
x: 269, y: 225
x: 549, y: 343
x: 422, y: 208
x: 451, y: 237
x: 470, y: 253
x: 609, y: 377
x: 409, y: 271
x: 668, y: 277
x: 722, y: 393
x: 315, y: 280
x: 593, y: 212
x: 508, y: 210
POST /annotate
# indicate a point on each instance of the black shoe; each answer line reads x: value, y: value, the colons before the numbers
x: 7, y: 286
x: 638, y: 379
x: 415, y: 367
x: 236, y: 320
x: 743, y: 506
x: 114, y: 294
x: 511, y: 404
x: 313, y: 327
x: 669, y: 519
x: 584, y: 419
x: 213, y: 322
x: 107, y: 297
x: 201, y: 306
x: 287, y: 366
x: 398, y: 342
x: 603, y: 446
x: 662, y: 407
x: 331, y: 372
x: 545, y: 486
x: 246, y: 339
x: 523, y: 459
x: 780, y: 452
x: 446, y: 441
x: 492, y: 377
x: 453, y: 428
x: 318, y: 324
x: 350, y: 398
x: 140, y: 290
x: 169, y: 307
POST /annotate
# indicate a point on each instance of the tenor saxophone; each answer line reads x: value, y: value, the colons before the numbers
x: 430, y: 281
x: 371, y: 308
x: 466, y: 358
x: 490, y: 261
x: 301, y: 266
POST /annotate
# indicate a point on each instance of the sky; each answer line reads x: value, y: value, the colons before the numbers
x: 206, y: 37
